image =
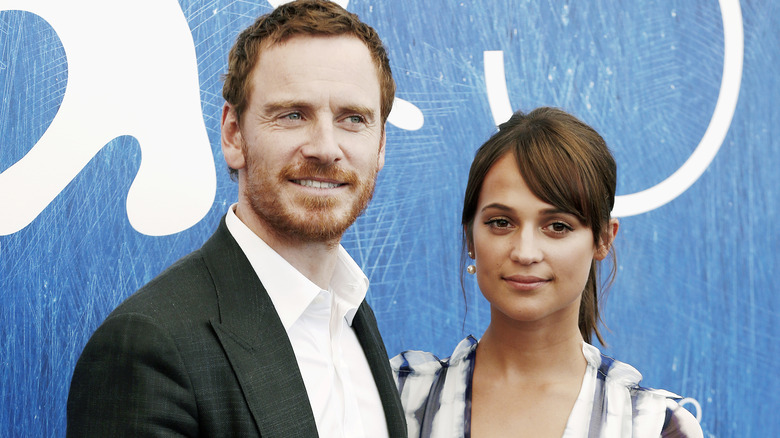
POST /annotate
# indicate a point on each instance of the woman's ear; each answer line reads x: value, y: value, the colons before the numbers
x: 469, y: 241
x: 607, y: 239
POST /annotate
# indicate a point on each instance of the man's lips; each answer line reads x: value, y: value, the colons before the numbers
x: 525, y: 282
x: 317, y: 183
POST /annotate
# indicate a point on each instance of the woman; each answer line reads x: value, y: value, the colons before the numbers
x: 536, y: 221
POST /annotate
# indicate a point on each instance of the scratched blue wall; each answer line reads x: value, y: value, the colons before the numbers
x: 694, y: 307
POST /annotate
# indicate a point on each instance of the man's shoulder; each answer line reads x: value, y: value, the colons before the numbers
x: 183, y: 283
x: 188, y: 282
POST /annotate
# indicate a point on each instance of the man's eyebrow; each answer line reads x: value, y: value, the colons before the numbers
x: 360, y: 109
x: 271, y: 107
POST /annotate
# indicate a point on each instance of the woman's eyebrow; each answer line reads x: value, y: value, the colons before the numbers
x: 497, y: 206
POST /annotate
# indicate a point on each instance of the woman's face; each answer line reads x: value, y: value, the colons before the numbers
x: 532, y: 259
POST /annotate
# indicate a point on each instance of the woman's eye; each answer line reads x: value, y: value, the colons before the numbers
x: 498, y: 223
x: 560, y: 227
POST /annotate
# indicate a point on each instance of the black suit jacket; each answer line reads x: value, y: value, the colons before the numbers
x: 200, y: 351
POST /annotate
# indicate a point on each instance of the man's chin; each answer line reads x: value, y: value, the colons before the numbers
x: 311, y: 233
x: 312, y: 226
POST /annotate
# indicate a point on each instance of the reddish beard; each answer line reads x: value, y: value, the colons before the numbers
x: 308, y: 218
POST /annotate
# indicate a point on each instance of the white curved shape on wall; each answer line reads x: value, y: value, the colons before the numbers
x: 681, y: 180
x: 405, y: 115
x: 132, y: 70
x: 696, y: 406
x: 495, y: 82
x: 700, y: 159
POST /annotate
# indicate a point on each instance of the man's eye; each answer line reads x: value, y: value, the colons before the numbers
x: 293, y: 116
x: 355, y: 119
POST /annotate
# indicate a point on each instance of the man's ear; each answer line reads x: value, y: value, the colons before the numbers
x: 380, y: 161
x: 232, y: 140
x: 607, y: 239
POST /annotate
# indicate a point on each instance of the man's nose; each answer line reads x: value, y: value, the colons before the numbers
x: 322, y: 144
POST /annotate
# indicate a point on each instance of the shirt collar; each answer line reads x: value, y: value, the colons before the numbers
x: 290, y: 291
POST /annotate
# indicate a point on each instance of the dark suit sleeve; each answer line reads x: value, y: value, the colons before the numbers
x: 130, y: 381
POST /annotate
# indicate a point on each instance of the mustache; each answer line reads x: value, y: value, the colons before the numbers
x: 309, y: 169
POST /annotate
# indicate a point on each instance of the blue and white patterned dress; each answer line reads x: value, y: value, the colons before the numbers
x: 436, y: 395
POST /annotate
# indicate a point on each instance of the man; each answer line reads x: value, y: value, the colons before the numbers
x: 264, y: 331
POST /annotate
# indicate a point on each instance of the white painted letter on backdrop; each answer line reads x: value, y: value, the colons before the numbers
x: 693, y: 168
x: 132, y: 70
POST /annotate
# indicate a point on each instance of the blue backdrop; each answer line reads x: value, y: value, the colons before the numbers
x: 694, y: 306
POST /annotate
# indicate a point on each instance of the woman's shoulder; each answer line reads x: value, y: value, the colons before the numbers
x: 618, y: 377
x: 434, y: 391
x: 615, y: 372
x: 680, y: 423
x: 417, y: 362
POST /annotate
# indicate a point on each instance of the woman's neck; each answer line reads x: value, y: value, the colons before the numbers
x: 527, y: 377
x: 532, y: 350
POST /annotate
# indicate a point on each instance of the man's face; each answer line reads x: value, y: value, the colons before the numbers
x: 311, y: 136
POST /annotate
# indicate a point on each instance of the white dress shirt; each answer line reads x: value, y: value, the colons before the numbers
x: 338, y: 380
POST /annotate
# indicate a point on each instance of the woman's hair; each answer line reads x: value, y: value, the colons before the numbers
x: 565, y: 163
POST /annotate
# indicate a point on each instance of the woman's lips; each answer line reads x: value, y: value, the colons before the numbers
x: 525, y: 282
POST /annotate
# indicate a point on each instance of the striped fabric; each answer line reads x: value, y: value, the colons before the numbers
x: 436, y: 395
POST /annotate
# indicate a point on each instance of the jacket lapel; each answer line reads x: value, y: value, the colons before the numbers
x: 367, y: 333
x: 256, y: 343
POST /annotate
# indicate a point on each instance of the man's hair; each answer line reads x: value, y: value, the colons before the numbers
x: 302, y: 17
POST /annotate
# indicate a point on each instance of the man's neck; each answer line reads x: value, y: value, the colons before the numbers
x: 315, y: 260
